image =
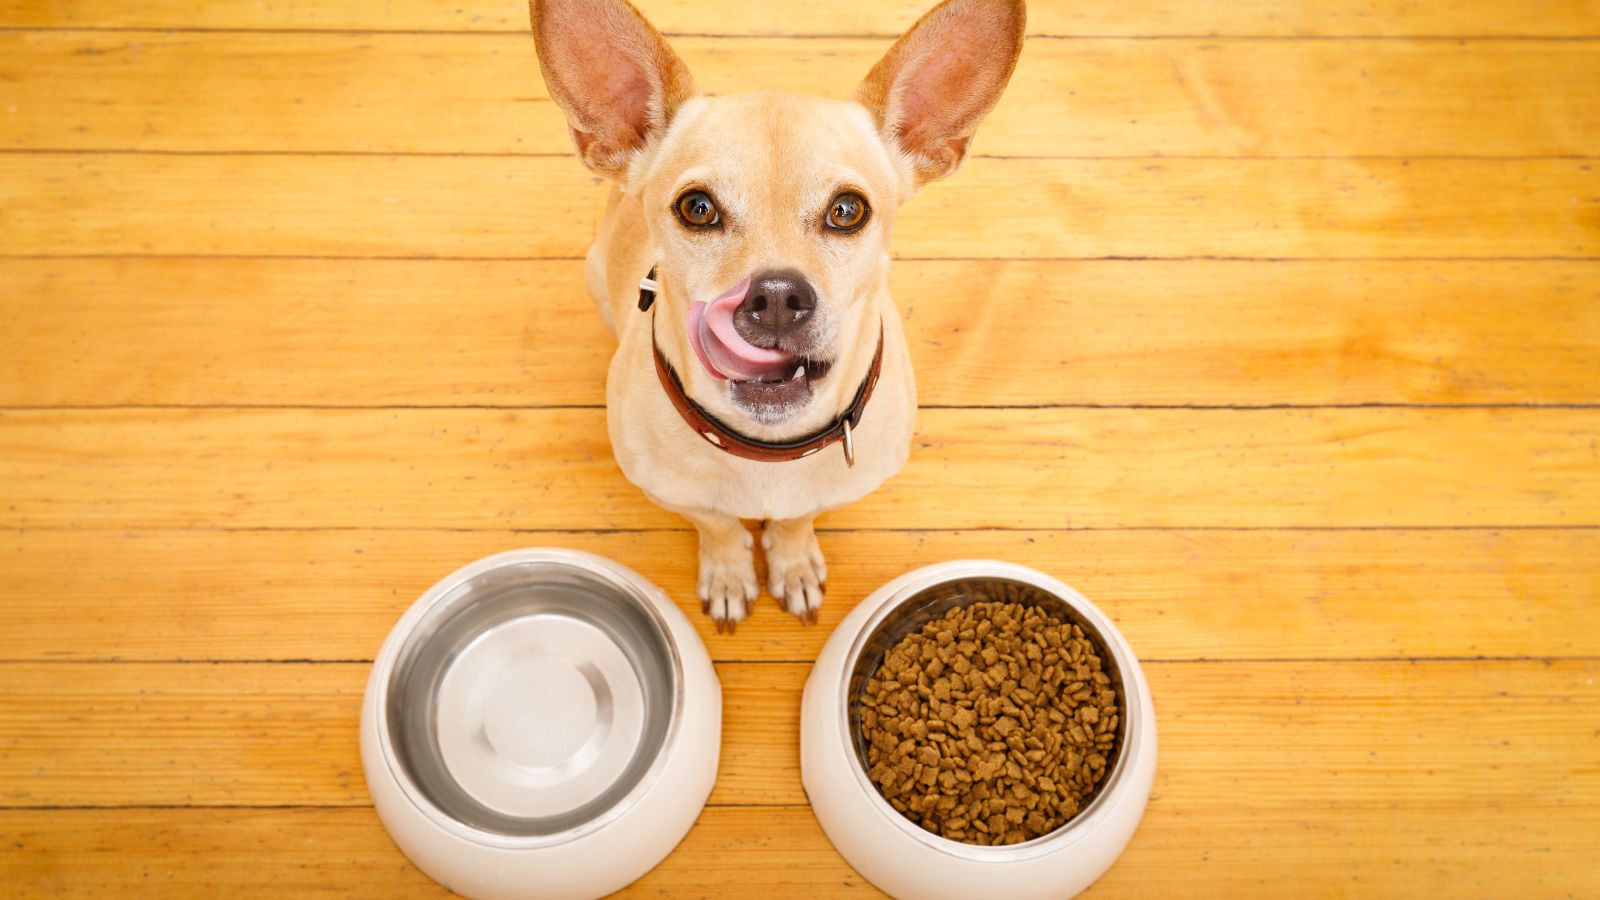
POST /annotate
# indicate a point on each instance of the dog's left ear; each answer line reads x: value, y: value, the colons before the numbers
x: 934, y: 86
x: 613, y: 75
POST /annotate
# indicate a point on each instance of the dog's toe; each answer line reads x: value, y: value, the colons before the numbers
x: 802, y: 594
x: 796, y: 576
x: 727, y: 589
x: 727, y: 608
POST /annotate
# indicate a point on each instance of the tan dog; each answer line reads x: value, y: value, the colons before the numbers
x: 742, y: 386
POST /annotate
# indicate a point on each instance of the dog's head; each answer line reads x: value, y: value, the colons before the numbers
x: 770, y: 213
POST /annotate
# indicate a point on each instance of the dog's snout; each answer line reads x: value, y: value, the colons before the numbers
x: 778, y: 303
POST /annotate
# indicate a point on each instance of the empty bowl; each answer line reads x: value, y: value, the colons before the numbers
x: 541, y: 723
x: 896, y: 854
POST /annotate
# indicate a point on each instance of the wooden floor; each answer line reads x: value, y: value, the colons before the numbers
x: 1274, y: 327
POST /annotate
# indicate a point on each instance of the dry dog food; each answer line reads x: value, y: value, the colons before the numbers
x: 993, y: 724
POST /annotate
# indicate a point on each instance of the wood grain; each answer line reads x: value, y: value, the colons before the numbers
x: 552, y: 469
x: 400, y: 93
x: 1311, y: 18
x: 1371, y: 773
x: 288, y: 295
x: 746, y: 852
x: 95, y: 204
x: 1404, y: 732
x: 245, y: 734
x: 174, y: 332
x: 333, y: 595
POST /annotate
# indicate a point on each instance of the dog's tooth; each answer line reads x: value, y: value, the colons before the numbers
x: 799, y: 372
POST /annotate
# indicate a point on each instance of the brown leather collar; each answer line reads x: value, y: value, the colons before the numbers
x: 726, y: 439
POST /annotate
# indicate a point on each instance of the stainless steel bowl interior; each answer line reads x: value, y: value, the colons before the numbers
x: 932, y: 602
x: 485, y: 602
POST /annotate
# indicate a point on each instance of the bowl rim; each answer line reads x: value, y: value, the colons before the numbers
x: 617, y: 575
x: 1105, y: 800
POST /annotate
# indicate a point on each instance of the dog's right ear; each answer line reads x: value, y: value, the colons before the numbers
x: 612, y: 74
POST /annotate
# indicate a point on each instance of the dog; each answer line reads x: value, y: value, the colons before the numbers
x: 761, y: 369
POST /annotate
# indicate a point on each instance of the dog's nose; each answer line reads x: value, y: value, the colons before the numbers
x: 777, y: 303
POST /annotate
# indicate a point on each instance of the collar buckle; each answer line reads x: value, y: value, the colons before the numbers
x: 648, y: 288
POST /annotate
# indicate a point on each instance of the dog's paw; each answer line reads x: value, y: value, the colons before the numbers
x: 728, y: 585
x: 797, y: 575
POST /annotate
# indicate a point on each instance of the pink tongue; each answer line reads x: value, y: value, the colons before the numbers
x: 720, y: 348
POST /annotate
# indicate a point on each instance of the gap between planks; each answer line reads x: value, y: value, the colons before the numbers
x: 735, y: 661
x: 996, y: 407
x: 864, y: 529
x: 812, y: 36
x: 1063, y: 157
x: 1113, y: 258
x: 533, y: 407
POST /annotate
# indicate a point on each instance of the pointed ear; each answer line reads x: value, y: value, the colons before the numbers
x: 934, y: 86
x: 612, y: 74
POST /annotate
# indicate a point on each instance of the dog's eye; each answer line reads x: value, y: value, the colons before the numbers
x: 697, y: 210
x: 847, y: 212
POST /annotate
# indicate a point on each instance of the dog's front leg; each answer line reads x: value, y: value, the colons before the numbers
x: 727, y: 585
x: 796, y: 571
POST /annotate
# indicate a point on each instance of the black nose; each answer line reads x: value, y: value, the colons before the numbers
x: 778, y: 303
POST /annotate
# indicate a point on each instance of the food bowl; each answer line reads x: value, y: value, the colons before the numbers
x: 902, y: 858
x: 540, y: 723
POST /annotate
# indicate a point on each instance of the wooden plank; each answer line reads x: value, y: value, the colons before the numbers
x: 160, y: 331
x: 205, y: 852
x: 731, y: 852
x: 434, y: 93
x: 333, y: 595
x: 780, y: 851
x: 261, y: 734
x: 271, y: 206
x: 1364, y: 732
x: 175, y: 332
x: 1384, y: 781
x: 120, y: 204
x: 552, y: 469
x: 1313, y: 18
x: 105, y: 734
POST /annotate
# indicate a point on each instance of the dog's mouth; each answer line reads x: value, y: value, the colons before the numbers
x: 771, y: 401
x: 769, y: 384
